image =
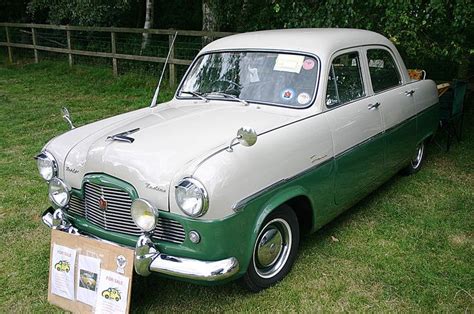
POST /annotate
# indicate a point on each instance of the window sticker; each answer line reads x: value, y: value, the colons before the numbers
x: 308, y: 64
x: 288, y: 63
x: 303, y: 98
x: 287, y: 94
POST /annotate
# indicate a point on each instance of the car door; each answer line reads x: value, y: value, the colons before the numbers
x: 356, y: 126
x: 397, y: 107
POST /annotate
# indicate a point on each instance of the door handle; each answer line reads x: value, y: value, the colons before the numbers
x: 409, y: 92
x: 373, y: 106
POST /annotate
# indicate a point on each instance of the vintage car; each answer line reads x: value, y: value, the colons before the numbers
x: 270, y: 135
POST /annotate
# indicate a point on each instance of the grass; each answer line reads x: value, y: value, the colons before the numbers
x: 406, y: 247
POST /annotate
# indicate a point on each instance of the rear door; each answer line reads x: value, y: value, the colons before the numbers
x: 356, y: 126
x: 397, y: 107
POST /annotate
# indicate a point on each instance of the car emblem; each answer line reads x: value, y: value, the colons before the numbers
x: 102, y: 203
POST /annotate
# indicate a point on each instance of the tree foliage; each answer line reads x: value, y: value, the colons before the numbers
x: 425, y: 31
x: 420, y: 28
x: 80, y: 12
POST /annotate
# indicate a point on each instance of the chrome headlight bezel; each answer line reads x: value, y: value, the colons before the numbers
x: 56, y: 189
x: 142, y: 208
x: 183, y: 186
x: 47, y: 156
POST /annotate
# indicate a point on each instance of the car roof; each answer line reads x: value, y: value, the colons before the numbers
x: 319, y: 41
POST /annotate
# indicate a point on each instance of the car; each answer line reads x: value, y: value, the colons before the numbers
x: 269, y: 136
x: 112, y: 293
x: 62, y: 266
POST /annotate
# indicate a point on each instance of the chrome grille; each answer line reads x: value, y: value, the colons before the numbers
x: 76, y: 205
x: 117, y: 216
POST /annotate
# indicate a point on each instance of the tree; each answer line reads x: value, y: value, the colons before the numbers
x: 209, y: 18
x: 148, y: 23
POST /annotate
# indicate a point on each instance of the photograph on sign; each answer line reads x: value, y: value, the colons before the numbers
x: 87, y: 279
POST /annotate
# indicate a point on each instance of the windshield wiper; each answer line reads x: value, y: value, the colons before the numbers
x: 195, y: 94
x: 246, y: 103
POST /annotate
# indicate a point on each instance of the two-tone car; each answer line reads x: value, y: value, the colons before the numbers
x: 270, y: 136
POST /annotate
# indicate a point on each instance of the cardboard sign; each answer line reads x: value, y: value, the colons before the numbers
x: 86, y: 275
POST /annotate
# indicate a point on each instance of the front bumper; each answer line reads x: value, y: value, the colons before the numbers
x: 148, y: 259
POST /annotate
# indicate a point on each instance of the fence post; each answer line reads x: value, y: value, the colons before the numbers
x: 69, y: 47
x: 114, y: 51
x: 10, y: 52
x: 33, y: 36
x: 172, y: 67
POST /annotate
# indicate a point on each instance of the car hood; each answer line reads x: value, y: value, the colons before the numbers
x: 170, y: 138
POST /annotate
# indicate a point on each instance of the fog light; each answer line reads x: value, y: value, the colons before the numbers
x: 144, y: 214
x: 194, y: 236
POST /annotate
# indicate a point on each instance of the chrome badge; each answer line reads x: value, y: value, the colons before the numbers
x: 102, y: 203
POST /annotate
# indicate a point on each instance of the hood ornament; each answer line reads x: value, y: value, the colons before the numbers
x: 123, y: 136
x: 67, y: 117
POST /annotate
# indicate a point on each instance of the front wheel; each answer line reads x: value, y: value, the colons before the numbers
x: 417, y: 161
x: 274, y: 250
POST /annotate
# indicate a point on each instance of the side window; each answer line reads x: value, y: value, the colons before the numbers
x: 383, y: 70
x: 345, y: 80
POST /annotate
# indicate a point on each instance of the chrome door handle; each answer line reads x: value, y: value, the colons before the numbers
x: 409, y: 92
x: 373, y: 106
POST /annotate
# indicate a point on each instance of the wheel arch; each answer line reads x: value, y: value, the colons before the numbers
x: 295, y: 197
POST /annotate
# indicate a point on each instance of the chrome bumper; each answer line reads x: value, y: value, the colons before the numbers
x: 148, y: 259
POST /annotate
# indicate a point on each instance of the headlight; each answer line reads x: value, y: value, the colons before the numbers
x: 191, y: 197
x: 59, y: 192
x: 47, y: 165
x: 144, y: 214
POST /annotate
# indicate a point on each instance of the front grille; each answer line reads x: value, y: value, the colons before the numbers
x: 117, y: 216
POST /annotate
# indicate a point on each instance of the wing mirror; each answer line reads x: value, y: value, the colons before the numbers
x: 67, y: 117
x: 246, y: 136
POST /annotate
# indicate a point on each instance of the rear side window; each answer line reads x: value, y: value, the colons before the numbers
x: 383, y: 70
x: 345, y: 80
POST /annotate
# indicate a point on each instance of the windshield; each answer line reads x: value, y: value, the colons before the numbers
x: 262, y: 77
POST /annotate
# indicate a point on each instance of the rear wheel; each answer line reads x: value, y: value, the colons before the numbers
x: 274, y: 250
x: 417, y: 161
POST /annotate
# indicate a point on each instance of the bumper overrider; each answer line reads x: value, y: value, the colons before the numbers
x: 148, y: 259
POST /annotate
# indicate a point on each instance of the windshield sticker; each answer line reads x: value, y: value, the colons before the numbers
x: 287, y: 94
x: 253, y: 75
x: 308, y: 64
x: 303, y: 98
x: 288, y: 63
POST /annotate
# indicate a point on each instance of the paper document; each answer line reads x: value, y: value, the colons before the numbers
x: 288, y: 63
x: 88, y: 271
x: 62, y: 268
x: 112, y: 293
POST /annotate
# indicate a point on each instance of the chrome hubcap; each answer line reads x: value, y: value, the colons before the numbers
x: 415, y: 163
x: 272, y: 248
x: 269, y: 247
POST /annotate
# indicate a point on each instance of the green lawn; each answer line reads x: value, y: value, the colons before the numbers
x: 407, y: 247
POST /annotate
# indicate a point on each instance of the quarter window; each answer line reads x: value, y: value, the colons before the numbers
x: 383, y: 70
x: 345, y: 80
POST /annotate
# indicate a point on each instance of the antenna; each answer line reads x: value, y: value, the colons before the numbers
x: 157, y: 90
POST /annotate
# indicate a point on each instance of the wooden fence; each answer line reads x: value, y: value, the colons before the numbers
x: 70, y: 51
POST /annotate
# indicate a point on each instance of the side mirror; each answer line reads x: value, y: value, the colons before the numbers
x: 246, y: 136
x: 67, y: 117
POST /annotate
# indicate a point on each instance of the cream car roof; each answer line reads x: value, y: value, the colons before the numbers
x: 319, y: 41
